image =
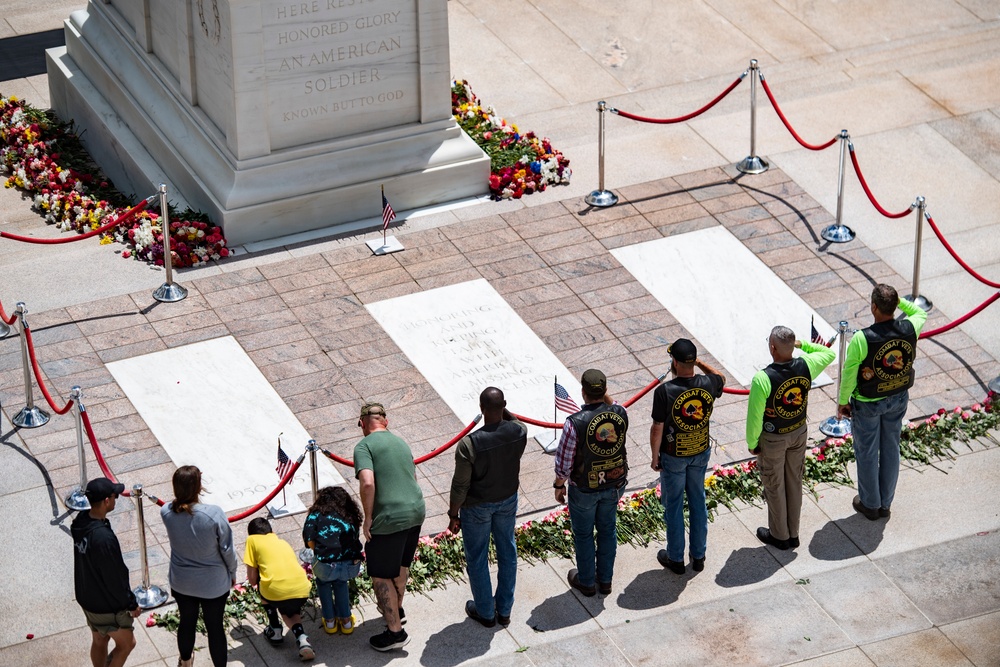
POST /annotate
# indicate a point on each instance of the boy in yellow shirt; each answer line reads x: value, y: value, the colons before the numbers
x: 274, y: 569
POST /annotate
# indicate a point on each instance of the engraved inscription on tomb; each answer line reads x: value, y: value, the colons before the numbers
x: 339, y: 67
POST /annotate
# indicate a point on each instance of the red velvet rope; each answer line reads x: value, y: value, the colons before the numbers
x: 124, y: 217
x: 952, y: 325
x: 3, y: 315
x: 284, y: 480
x: 681, y: 119
x: 431, y: 454
x: 777, y: 110
x: 738, y: 392
x: 645, y: 390
x: 951, y: 251
x: 871, y: 197
x: 38, y: 375
x: 339, y: 459
x: 100, y: 457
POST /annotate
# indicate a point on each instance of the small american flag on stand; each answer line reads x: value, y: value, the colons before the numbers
x: 816, y: 338
x: 563, y: 401
x: 284, y: 463
x: 388, y: 215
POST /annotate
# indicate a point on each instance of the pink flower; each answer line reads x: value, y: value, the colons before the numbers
x: 820, y: 457
x: 957, y: 410
x: 966, y: 415
x: 151, y: 621
x: 976, y: 407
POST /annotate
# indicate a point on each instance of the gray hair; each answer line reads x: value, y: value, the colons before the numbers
x: 783, y: 336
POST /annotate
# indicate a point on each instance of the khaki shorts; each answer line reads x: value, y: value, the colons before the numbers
x: 108, y: 623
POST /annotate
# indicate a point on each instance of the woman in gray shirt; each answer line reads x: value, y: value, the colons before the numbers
x: 202, y: 564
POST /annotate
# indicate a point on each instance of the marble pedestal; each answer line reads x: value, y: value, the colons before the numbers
x: 274, y: 117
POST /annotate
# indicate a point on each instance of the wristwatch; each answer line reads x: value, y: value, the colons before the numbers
x: 558, y: 486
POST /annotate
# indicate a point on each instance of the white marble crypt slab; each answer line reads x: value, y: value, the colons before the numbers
x: 209, y: 405
x: 464, y: 338
x: 723, y: 294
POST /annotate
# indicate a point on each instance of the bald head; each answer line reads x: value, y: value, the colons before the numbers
x: 492, y: 404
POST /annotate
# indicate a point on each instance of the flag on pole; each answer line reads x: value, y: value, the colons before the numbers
x: 284, y: 463
x: 564, y: 402
x: 816, y: 338
x: 388, y: 215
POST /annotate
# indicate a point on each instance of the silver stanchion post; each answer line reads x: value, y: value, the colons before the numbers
x: 4, y: 329
x: 147, y: 596
x: 600, y: 197
x: 839, y: 232
x: 77, y: 499
x: 994, y: 385
x: 834, y: 427
x: 916, y: 297
x: 30, y: 416
x: 753, y: 164
x: 312, y: 448
x: 168, y: 292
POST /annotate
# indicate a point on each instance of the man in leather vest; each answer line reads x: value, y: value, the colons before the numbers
x: 484, y: 503
x: 874, y: 393
x: 679, y: 440
x: 776, y: 430
x: 592, y: 457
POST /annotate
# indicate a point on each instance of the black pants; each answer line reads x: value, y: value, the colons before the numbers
x: 212, y: 609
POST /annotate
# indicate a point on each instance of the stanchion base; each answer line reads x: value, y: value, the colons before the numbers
x: 838, y: 234
x: 31, y: 418
x: 77, y: 501
x: 752, y: 164
x: 601, y: 198
x: 994, y: 385
x: 920, y: 301
x: 549, y: 442
x: 150, y: 597
x: 306, y: 555
x: 169, y: 293
x: 4, y: 330
x: 835, y: 428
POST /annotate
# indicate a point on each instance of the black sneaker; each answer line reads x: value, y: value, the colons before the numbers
x: 884, y: 512
x: 470, y: 611
x: 698, y: 564
x: 765, y: 536
x: 867, y: 512
x: 274, y: 635
x: 389, y: 640
x: 793, y: 543
x: 675, y: 566
x: 573, y: 578
x: 503, y: 620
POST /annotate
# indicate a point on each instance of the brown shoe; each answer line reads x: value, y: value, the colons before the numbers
x: 867, y: 512
x: 574, y: 580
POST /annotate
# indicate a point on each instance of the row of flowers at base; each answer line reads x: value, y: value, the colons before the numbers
x: 42, y: 156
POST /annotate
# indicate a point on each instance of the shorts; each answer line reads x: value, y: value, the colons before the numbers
x: 285, y: 607
x: 386, y: 554
x: 105, y: 624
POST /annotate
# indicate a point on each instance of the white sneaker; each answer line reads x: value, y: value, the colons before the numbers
x: 274, y: 634
x: 305, y: 649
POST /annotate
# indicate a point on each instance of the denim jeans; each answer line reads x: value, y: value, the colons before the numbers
x: 680, y: 475
x: 478, y: 523
x: 587, y: 511
x: 332, y: 581
x: 876, y: 427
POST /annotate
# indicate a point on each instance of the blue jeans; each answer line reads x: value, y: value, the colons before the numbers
x: 478, y: 523
x: 876, y: 427
x: 680, y: 475
x: 332, y: 585
x: 587, y: 511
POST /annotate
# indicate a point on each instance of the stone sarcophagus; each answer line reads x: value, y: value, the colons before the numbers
x: 272, y: 116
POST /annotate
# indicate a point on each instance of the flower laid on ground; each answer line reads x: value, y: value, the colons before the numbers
x: 520, y: 164
x: 40, y: 155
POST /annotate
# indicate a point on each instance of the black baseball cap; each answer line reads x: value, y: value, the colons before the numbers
x: 683, y: 351
x: 594, y: 382
x: 101, y: 488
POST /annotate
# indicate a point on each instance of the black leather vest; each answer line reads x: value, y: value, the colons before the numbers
x: 498, y: 462
x: 888, y: 368
x: 785, y: 410
x: 601, y: 460
x: 685, y: 432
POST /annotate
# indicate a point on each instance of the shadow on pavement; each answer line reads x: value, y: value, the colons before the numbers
x: 748, y: 565
x: 655, y: 588
x: 559, y: 611
x: 828, y: 542
x: 457, y: 643
x: 24, y: 55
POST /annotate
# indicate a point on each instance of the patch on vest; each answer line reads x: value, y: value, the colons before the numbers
x: 690, y: 414
x: 890, y: 365
x: 791, y: 398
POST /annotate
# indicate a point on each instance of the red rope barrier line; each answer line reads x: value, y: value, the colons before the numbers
x: 38, y: 376
x: 777, y: 110
x: 100, y: 457
x: 284, y: 481
x: 955, y: 323
x: 737, y: 392
x: 871, y: 197
x: 681, y: 119
x: 464, y: 432
x: 124, y: 217
x: 951, y: 251
x: 3, y: 315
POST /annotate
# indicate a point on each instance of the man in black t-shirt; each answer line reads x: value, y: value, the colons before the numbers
x: 679, y: 440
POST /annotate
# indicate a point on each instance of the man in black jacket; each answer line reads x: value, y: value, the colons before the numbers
x: 101, y: 577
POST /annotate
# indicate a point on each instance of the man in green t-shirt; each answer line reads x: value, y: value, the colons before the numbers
x: 394, y: 510
x: 777, y: 432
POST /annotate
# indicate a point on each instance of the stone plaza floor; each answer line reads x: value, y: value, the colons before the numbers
x: 915, y: 84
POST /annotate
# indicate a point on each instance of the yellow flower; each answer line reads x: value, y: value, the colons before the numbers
x: 105, y: 240
x: 710, y: 481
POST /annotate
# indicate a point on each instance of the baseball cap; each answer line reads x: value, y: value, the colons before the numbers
x: 683, y: 351
x: 594, y: 382
x: 372, y: 409
x: 101, y: 488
